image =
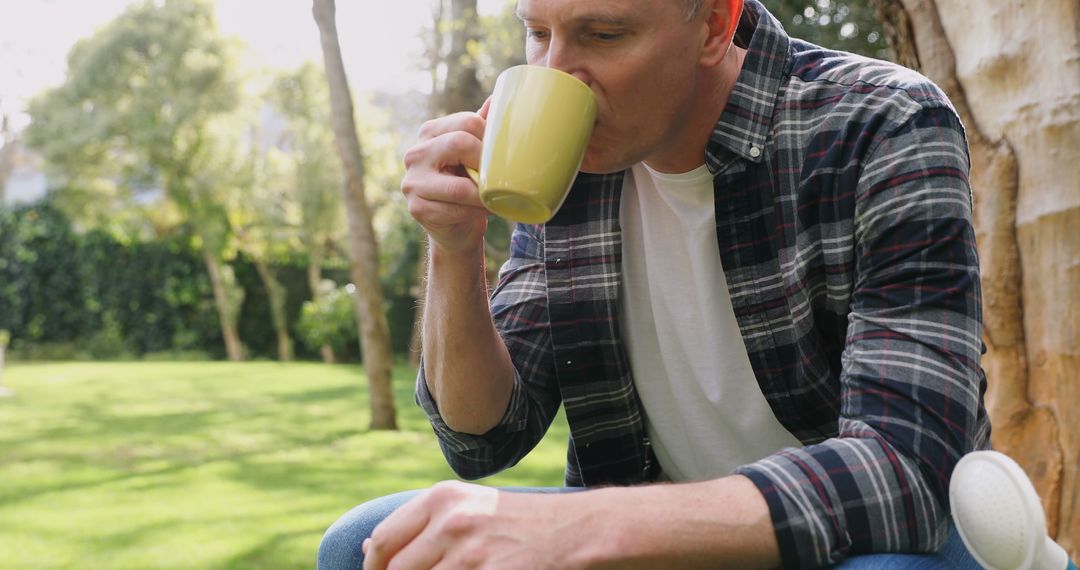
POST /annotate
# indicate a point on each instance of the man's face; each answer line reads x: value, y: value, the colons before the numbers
x: 640, y: 57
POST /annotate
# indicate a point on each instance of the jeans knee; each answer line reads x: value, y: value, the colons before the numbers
x: 341, y: 546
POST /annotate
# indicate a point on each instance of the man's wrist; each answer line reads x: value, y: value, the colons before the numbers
x: 470, y: 249
x: 719, y: 523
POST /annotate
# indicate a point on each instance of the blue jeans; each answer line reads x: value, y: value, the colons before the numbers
x: 340, y: 548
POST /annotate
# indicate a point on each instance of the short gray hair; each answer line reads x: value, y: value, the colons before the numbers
x: 692, y: 7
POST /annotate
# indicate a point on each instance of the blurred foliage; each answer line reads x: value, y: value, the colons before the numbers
x: 841, y: 25
x: 303, y: 159
x: 329, y: 319
x: 133, y: 117
x: 66, y: 295
x: 57, y: 286
x: 157, y: 149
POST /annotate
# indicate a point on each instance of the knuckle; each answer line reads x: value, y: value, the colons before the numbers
x: 443, y: 490
x: 461, y: 523
x: 474, y: 123
x: 408, y: 184
x: 378, y: 538
x: 459, y: 142
x: 412, y: 156
x: 428, y: 129
x: 416, y: 208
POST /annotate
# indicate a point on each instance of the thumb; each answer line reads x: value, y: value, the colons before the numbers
x: 483, y: 112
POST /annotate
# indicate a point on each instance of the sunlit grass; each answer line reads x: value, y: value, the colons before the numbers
x: 204, y: 465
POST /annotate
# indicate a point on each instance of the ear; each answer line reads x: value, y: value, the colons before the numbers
x: 722, y: 18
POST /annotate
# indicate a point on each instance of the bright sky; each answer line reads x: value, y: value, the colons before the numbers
x: 379, y: 39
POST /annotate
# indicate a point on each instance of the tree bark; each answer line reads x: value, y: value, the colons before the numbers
x: 363, y: 250
x: 228, y: 309
x: 462, y: 91
x: 314, y: 276
x: 276, y: 293
x: 5, y: 392
x: 7, y: 156
x: 1018, y: 96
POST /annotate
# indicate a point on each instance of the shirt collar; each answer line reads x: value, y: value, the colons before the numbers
x: 747, y: 118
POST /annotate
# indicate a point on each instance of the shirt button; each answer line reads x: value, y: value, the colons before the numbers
x: 569, y: 362
x: 755, y: 151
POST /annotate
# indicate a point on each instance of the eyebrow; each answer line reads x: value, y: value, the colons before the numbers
x: 598, y: 18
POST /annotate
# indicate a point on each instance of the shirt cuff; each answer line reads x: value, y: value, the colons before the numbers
x: 514, y: 419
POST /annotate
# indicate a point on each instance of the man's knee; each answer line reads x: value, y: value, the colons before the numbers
x: 340, y: 548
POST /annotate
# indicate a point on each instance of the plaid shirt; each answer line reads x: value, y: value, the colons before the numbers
x: 843, y: 215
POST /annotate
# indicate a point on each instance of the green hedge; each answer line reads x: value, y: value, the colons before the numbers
x: 69, y: 295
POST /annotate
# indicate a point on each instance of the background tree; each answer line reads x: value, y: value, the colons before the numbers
x: 363, y: 246
x: 1020, y: 105
x: 5, y: 338
x: 132, y: 116
x: 7, y: 152
x: 465, y: 54
x: 258, y: 208
x: 311, y: 169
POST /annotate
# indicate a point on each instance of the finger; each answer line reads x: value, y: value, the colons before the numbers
x: 423, y: 553
x: 439, y: 217
x: 485, y: 108
x: 465, y: 121
x: 444, y: 153
x: 395, y: 531
x: 443, y: 188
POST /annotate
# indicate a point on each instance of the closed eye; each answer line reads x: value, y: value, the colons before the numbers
x: 607, y: 36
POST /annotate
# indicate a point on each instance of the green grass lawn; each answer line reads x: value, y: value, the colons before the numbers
x: 204, y: 465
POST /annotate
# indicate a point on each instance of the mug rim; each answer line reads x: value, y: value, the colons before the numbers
x: 527, y: 67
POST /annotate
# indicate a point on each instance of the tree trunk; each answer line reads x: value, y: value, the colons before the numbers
x: 5, y: 392
x: 314, y: 276
x: 363, y: 247
x: 7, y: 156
x: 1012, y: 71
x: 276, y: 293
x: 228, y: 305
x: 462, y: 91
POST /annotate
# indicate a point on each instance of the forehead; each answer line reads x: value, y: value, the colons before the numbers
x: 600, y: 10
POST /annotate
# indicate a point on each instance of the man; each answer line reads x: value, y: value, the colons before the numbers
x: 762, y: 290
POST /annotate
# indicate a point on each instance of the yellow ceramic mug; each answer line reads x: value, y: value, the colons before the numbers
x: 538, y: 127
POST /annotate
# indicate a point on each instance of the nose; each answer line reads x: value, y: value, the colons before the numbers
x: 560, y: 55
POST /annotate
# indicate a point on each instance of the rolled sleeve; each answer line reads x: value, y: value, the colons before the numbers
x: 911, y: 382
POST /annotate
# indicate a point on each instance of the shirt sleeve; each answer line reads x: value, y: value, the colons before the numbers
x: 911, y: 382
x: 519, y: 309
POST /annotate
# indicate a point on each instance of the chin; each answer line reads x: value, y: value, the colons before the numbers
x: 593, y: 164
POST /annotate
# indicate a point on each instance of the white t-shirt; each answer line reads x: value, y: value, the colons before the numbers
x: 705, y: 413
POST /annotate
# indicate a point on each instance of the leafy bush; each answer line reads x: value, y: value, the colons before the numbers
x: 177, y: 355
x: 330, y: 320
x: 67, y: 295
x: 47, y: 351
x: 108, y: 343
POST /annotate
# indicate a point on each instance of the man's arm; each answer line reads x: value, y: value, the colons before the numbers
x: 712, y: 524
x: 466, y: 365
x: 469, y: 372
x: 911, y: 383
x: 486, y: 415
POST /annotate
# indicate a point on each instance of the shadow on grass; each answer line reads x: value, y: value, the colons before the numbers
x: 273, y: 552
x: 274, y: 460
